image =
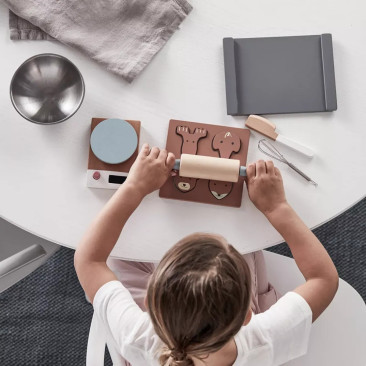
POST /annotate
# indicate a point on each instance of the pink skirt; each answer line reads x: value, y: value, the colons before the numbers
x: 135, y: 276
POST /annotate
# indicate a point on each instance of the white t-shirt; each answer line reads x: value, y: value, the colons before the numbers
x: 271, y: 338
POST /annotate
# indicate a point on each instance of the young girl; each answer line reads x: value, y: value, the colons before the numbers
x: 201, y: 296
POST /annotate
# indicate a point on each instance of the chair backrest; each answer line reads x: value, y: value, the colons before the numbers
x: 97, y: 341
x: 21, y: 253
x: 338, y: 337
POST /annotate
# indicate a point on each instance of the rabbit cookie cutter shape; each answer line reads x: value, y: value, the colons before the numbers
x: 226, y: 143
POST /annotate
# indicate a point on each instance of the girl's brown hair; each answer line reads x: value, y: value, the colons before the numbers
x: 198, y: 298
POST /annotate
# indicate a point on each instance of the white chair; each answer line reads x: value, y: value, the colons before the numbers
x: 338, y: 337
x: 96, y: 346
x: 20, y: 253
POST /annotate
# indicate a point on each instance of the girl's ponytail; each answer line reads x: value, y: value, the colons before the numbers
x: 174, y: 358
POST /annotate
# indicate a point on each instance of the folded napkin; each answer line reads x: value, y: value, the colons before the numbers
x: 122, y: 35
x: 22, y: 29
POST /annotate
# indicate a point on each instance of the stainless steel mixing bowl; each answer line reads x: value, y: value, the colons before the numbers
x: 47, y: 89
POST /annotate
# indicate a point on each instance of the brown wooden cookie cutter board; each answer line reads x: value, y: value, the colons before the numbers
x: 208, y: 140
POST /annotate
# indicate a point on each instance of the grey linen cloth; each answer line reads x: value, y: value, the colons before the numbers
x: 122, y: 35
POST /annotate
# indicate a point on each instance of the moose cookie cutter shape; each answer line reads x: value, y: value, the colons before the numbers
x: 189, y: 146
x: 190, y: 140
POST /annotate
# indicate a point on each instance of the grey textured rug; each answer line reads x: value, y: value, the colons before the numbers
x: 44, y: 319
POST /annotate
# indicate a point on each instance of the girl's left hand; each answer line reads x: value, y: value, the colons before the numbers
x: 150, y: 170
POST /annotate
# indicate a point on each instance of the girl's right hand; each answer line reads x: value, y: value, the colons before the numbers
x: 150, y: 170
x: 265, y: 186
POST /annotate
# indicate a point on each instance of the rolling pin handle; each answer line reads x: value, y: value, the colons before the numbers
x: 176, y: 164
x: 243, y: 171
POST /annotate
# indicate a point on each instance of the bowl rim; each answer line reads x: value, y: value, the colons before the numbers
x: 39, y: 56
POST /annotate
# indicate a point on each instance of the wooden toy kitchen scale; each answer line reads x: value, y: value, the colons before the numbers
x: 112, y: 151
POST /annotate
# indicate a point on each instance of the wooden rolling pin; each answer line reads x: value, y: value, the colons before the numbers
x: 207, y: 167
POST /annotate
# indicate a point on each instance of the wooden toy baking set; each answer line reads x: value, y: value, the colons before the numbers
x: 217, y: 181
x: 113, y: 149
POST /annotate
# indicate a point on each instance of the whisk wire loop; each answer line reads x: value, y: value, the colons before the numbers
x: 268, y: 149
x: 276, y: 154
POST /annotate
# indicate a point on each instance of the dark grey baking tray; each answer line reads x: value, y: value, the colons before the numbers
x: 279, y: 75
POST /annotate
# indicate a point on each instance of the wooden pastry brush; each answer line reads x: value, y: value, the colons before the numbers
x: 268, y: 129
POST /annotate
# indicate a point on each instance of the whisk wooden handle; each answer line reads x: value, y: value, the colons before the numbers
x: 207, y: 167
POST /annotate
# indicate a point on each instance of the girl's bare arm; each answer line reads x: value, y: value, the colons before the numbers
x: 149, y: 172
x: 265, y: 188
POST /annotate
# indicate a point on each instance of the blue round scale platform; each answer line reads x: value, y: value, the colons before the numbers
x: 113, y: 141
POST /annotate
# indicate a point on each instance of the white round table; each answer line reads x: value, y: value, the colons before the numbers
x: 43, y: 168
